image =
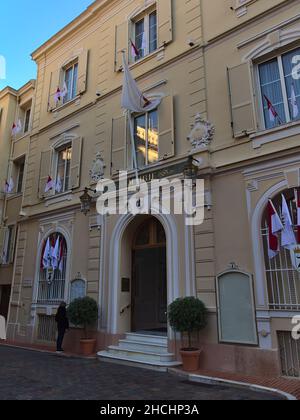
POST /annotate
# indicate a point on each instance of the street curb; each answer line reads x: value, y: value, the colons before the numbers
x: 209, y: 380
x: 49, y: 352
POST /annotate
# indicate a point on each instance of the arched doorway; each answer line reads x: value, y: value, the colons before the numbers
x: 149, y: 274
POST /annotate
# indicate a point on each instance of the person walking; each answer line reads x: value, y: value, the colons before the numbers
x: 62, y: 321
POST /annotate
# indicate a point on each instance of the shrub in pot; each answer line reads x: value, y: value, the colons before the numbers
x: 83, y: 313
x: 187, y: 316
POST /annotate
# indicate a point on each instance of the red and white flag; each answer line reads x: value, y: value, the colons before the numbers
x: 61, y: 255
x: 294, y: 103
x: 273, y: 114
x: 47, y: 255
x: 274, y: 226
x: 287, y: 236
x: 9, y: 186
x: 297, y: 195
x: 57, y: 96
x: 64, y: 92
x: 49, y: 184
x: 134, y: 50
x: 16, y: 128
x: 132, y: 98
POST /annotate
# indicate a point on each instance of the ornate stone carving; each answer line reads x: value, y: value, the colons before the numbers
x: 97, y: 170
x: 201, y: 135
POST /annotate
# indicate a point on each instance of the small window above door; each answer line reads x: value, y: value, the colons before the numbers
x: 151, y: 233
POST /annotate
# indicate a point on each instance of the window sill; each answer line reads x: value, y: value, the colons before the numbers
x: 148, y: 57
x: 278, y: 133
x: 14, y: 195
x: 58, y: 198
x: 63, y: 106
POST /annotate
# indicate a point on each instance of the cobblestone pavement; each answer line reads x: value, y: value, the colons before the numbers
x: 29, y: 375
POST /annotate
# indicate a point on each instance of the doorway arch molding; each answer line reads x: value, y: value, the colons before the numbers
x: 169, y: 224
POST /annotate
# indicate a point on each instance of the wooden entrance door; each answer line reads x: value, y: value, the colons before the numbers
x: 149, y: 294
x: 4, y: 300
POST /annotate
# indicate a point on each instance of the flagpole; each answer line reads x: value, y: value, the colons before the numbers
x: 133, y: 148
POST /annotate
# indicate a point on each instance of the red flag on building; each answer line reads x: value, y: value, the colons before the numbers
x: 274, y: 226
x: 273, y: 114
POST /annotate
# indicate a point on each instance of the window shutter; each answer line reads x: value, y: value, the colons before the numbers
x: 76, y: 163
x: 12, y: 245
x: 82, y: 72
x: 121, y: 43
x: 45, y: 172
x: 2, y: 242
x: 166, y: 128
x: 241, y: 97
x: 165, y: 24
x: 54, y: 84
x: 118, y: 145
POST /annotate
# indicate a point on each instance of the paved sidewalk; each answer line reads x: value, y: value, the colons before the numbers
x: 286, y: 385
x: 33, y: 375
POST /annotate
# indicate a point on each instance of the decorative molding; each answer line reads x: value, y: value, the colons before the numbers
x: 97, y: 170
x: 273, y: 40
x: 201, y: 135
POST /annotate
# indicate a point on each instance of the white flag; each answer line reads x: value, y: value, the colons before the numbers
x: 58, y: 185
x: 287, y: 236
x: 132, y: 98
x: 64, y: 91
x: 9, y: 186
x: 47, y: 255
x: 55, y: 255
x: 294, y: 103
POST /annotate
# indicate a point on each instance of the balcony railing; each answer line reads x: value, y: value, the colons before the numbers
x: 52, y: 292
x: 283, y: 280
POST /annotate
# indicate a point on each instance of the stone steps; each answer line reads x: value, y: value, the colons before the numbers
x: 141, y: 350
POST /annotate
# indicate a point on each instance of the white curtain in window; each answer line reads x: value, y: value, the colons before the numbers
x: 291, y: 83
x: 271, y: 88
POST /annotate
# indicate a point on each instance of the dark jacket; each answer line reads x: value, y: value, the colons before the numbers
x: 62, y: 319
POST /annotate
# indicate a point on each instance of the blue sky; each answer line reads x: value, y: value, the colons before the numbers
x: 29, y: 24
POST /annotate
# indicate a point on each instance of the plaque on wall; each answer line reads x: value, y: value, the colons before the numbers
x: 125, y: 285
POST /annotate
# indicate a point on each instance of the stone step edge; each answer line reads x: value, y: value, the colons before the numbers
x: 107, y: 355
x: 142, y: 352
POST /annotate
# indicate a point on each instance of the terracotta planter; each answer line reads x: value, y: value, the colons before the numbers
x: 190, y: 359
x: 87, y: 347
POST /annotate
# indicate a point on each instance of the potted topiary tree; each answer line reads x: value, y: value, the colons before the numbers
x: 83, y: 312
x: 188, y: 315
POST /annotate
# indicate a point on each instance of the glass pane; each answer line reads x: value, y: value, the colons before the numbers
x: 60, y: 177
x: 153, y: 32
x: 68, y: 81
x: 20, y: 177
x: 27, y: 120
x: 292, y: 85
x: 140, y: 140
x: 68, y: 158
x: 153, y: 137
x: 160, y: 233
x: 236, y: 309
x: 140, y: 38
x: 75, y: 77
x: 143, y: 237
x: 271, y: 90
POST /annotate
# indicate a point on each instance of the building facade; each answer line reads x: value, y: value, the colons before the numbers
x: 202, y: 63
x: 15, y: 108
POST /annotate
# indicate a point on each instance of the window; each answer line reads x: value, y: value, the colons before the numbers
x: 146, y: 138
x: 27, y: 120
x: 70, y: 82
x: 280, y: 92
x: 64, y: 156
x: 78, y: 289
x: 145, y: 34
x: 282, y: 270
x: 21, y: 167
x: 8, y: 248
x: 53, y: 271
